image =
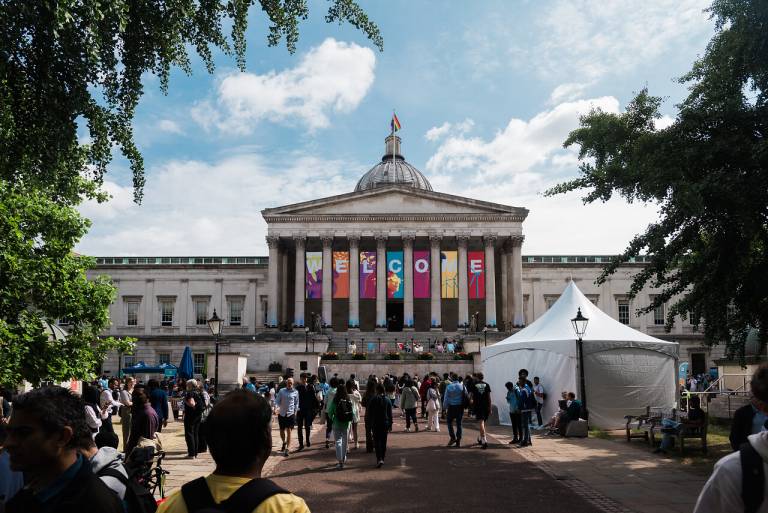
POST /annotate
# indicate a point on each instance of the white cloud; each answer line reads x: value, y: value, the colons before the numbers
x: 438, y: 132
x: 568, y: 92
x: 663, y: 122
x: 201, y: 208
x: 170, y: 126
x: 332, y: 77
x: 593, y: 38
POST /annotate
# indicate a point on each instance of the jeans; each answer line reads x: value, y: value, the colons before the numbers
x: 304, y: 423
x: 192, y: 433
x: 328, y: 428
x: 368, y: 437
x: 517, y: 426
x: 539, y: 406
x: 341, y: 436
x: 410, y: 414
x: 526, y: 427
x: 667, y: 439
x: 380, y: 442
x: 455, y: 413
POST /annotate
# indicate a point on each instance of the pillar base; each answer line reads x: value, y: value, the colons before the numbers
x: 406, y: 328
x: 436, y: 330
x: 380, y: 330
x: 353, y: 330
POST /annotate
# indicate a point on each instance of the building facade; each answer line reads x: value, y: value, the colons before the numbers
x: 393, y: 256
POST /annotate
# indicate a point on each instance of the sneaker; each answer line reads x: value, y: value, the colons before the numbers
x: 380, y: 464
x: 513, y: 442
x: 458, y: 443
x: 285, y: 453
x: 301, y: 448
x: 407, y: 430
x: 485, y: 445
x: 451, y: 442
x: 309, y: 444
x: 327, y: 444
x: 282, y: 449
x: 339, y: 466
x: 417, y: 428
x: 479, y: 440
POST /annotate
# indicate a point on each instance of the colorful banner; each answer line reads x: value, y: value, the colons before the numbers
x: 449, y: 276
x: 395, y: 281
x: 476, y: 274
x: 421, y: 285
x: 367, y: 275
x: 340, y: 274
x: 314, y: 287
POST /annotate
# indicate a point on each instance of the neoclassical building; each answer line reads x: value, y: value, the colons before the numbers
x: 391, y: 260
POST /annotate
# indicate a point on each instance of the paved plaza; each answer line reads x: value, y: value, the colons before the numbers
x: 589, y: 475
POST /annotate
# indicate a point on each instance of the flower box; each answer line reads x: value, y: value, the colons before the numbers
x: 329, y: 356
x: 394, y: 356
x: 425, y: 356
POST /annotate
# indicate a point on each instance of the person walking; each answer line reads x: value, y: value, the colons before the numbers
x: 340, y: 416
x: 193, y: 415
x: 409, y: 399
x: 109, y: 405
x: 455, y: 396
x: 357, y: 399
x: 125, y: 409
x: 379, y: 416
x: 481, y: 402
x: 540, y: 394
x: 144, y: 420
x: 370, y: 393
x: 287, y: 402
x: 158, y: 398
x: 332, y: 383
x: 433, y: 407
x: 308, y: 406
x: 423, y: 391
x: 527, y: 407
x: 513, y: 401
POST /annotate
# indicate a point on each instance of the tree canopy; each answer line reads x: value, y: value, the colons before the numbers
x: 69, y: 65
x: 708, y: 172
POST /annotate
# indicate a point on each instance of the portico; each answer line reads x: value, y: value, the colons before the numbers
x: 395, y: 254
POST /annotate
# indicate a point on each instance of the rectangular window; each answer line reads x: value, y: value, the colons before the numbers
x: 235, y: 312
x: 65, y: 321
x: 550, y: 300
x: 163, y: 358
x: 201, y: 312
x: 624, y: 311
x: 166, y: 313
x: 129, y: 361
x: 658, y: 315
x: 132, y: 313
x: 199, y: 362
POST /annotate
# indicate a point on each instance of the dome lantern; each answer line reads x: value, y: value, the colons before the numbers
x: 393, y: 170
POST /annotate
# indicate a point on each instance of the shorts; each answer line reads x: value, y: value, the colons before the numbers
x: 286, y: 422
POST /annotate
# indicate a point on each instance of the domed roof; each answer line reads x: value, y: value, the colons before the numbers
x: 393, y: 169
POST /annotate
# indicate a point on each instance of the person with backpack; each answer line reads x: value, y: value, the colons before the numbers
x: 340, y: 415
x: 144, y: 420
x: 193, y: 416
x: 378, y: 414
x: 481, y: 404
x: 409, y: 400
x: 527, y: 407
x: 515, y: 417
x: 330, y: 393
x: 238, y: 432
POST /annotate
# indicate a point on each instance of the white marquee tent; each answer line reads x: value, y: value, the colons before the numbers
x: 625, y: 370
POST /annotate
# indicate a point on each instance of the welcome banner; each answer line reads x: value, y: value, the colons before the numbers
x: 314, y: 288
x: 367, y: 275
x: 340, y: 274
x: 395, y: 282
x: 476, y: 274
x: 449, y: 275
x: 421, y: 285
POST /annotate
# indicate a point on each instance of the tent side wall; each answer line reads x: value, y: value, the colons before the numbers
x: 556, y: 370
x: 623, y: 381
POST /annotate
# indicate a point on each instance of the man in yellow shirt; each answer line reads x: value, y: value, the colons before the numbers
x: 239, y: 435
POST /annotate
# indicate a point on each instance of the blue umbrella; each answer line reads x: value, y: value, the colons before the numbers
x: 187, y: 366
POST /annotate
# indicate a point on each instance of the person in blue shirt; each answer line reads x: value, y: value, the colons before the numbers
x: 515, y: 416
x: 158, y: 399
x: 288, y: 403
x: 453, y: 402
x: 527, y: 406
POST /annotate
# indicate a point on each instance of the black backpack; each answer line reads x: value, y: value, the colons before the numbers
x: 752, y: 478
x: 198, y: 498
x: 344, y: 410
x: 137, y: 498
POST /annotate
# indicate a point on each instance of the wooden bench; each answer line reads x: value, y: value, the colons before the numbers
x: 686, y: 431
x: 644, y: 424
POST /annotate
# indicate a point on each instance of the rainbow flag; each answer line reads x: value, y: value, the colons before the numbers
x: 395, y: 123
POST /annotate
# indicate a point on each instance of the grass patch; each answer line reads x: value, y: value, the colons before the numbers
x: 599, y: 433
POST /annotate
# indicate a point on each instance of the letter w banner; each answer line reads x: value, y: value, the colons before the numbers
x: 367, y: 275
x: 421, y: 285
x: 314, y: 286
x: 340, y: 274
x: 395, y: 282
x: 476, y: 274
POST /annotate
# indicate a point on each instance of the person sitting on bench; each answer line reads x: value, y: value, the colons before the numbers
x: 572, y: 412
x: 670, y: 428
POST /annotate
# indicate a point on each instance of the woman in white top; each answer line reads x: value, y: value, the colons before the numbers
x: 92, y: 410
x: 356, y: 398
x: 433, y: 407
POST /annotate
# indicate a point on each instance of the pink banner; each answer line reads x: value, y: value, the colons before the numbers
x: 421, y: 286
x: 476, y: 274
x: 367, y: 275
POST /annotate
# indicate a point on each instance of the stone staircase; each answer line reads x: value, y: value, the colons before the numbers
x: 265, y: 376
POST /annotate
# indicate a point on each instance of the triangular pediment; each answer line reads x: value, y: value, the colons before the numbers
x: 393, y: 200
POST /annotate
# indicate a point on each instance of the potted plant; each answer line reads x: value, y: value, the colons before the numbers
x: 360, y: 356
x: 426, y: 356
x: 275, y: 367
x: 394, y: 355
x: 329, y: 356
x: 462, y: 356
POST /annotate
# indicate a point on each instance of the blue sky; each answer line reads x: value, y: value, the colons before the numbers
x: 486, y: 92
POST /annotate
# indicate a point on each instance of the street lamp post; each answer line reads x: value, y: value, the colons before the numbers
x: 214, y: 324
x: 580, y: 327
x: 485, y: 336
x: 306, y: 341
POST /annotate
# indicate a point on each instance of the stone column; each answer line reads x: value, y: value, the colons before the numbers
x: 517, y: 280
x: 490, y: 280
x: 327, y: 279
x: 354, y: 278
x: 463, y: 239
x: 434, y: 249
x: 506, y: 302
x: 408, y: 239
x: 381, y: 279
x: 273, y: 242
x: 298, y: 308
x: 283, y: 314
